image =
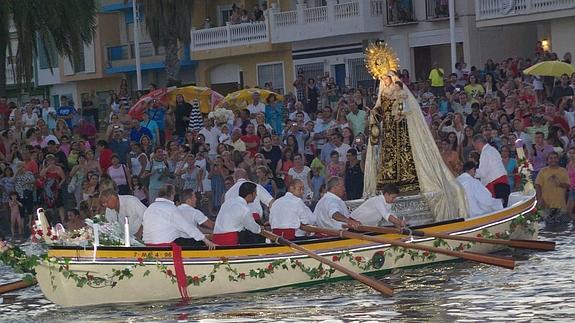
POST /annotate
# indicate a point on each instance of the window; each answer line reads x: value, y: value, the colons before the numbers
x: 312, y: 70
x: 399, y: 12
x: 272, y: 73
x: 43, y: 58
x: 358, y: 73
x: 82, y: 62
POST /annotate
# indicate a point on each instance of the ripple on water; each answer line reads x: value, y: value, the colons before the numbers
x: 540, y: 288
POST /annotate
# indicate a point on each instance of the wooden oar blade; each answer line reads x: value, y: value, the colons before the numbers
x: 14, y: 286
x: 501, y: 261
x: 532, y: 244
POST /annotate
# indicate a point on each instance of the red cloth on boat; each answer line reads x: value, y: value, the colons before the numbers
x: 226, y: 239
x: 179, y: 269
x: 285, y: 233
x: 491, y: 186
x: 256, y: 216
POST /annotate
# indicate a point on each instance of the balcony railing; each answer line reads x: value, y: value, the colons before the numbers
x: 436, y: 9
x: 400, y: 12
x: 333, y: 19
x: 230, y: 35
x: 491, y: 9
x: 127, y: 52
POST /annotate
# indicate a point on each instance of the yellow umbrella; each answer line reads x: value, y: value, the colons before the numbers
x: 550, y: 68
x: 208, y: 98
x: 242, y: 98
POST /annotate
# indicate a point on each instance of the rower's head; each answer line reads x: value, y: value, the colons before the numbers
x: 390, y: 192
x: 296, y: 187
x: 470, y: 168
x: 479, y: 141
x: 109, y: 199
x: 335, y: 185
x: 167, y: 192
x: 248, y: 191
x: 188, y: 196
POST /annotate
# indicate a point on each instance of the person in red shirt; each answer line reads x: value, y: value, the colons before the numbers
x: 251, y: 140
x: 29, y: 163
x: 105, y: 155
x: 4, y: 112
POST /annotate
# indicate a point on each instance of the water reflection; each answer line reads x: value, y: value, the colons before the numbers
x: 539, y: 288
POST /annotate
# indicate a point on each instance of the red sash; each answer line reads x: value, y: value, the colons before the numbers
x: 499, y: 180
x: 226, y: 239
x: 286, y: 233
x: 256, y: 216
x: 178, y: 267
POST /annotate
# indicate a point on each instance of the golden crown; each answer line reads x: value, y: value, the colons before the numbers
x: 380, y: 59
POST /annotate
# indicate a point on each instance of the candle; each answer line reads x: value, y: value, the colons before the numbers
x: 126, y: 232
x: 96, y: 228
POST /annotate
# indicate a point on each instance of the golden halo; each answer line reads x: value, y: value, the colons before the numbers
x: 380, y: 59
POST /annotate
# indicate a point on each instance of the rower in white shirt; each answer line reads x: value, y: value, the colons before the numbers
x: 331, y: 211
x: 491, y: 170
x: 192, y: 215
x: 263, y: 195
x: 289, y: 212
x: 164, y: 223
x: 119, y: 207
x: 372, y: 211
x: 478, y: 197
x: 235, y: 216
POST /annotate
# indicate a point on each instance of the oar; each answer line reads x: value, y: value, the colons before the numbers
x: 504, y: 262
x: 20, y: 284
x: 522, y: 244
x: 375, y: 284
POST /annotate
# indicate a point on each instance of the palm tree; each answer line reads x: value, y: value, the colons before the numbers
x: 66, y: 24
x: 169, y: 23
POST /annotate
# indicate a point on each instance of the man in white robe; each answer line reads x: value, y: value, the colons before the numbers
x: 478, y: 196
x: 372, y: 211
x: 119, y: 207
x: 164, y: 223
x: 235, y: 216
x: 289, y: 212
x: 331, y: 211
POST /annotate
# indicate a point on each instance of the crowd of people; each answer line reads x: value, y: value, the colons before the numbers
x: 59, y: 159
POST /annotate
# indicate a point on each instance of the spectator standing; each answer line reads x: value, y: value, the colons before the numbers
x: 353, y: 176
x: 274, y: 113
x: 541, y: 151
x: 158, y: 114
x: 119, y: 145
x: 356, y: 118
x: 183, y: 111
x: 552, y: 183
x: 66, y: 112
x: 256, y: 106
x: 436, y: 76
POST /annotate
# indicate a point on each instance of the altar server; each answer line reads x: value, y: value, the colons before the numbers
x: 491, y: 170
x: 164, y: 223
x: 235, y: 216
x: 372, y: 211
x: 119, y: 207
x: 478, y: 197
x: 263, y: 195
x: 289, y: 212
x: 331, y: 211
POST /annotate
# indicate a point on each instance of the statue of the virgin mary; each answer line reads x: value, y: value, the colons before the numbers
x: 401, y: 149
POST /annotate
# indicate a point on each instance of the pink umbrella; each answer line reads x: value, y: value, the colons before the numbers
x: 138, y: 109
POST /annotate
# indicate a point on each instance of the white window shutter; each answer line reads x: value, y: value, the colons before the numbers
x: 89, y: 58
x: 68, y: 69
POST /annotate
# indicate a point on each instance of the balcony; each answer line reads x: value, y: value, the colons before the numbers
x: 229, y: 36
x: 437, y: 9
x: 400, y: 12
x: 334, y: 19
x: 119, y: 57
x: 501, y: 12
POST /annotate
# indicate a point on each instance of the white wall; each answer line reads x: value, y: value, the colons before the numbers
x: 225, y: 73
x: 563, y: 36
x: 66, y: 89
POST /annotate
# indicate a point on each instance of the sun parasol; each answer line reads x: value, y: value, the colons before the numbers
x: 242, y: 98
x: 550, y: 68
x: 138, y: 109
x: 208, y: 98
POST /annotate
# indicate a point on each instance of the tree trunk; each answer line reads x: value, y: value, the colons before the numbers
x: 172, y: 61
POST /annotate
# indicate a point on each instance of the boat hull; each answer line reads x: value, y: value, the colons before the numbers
x: 235, y: 270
